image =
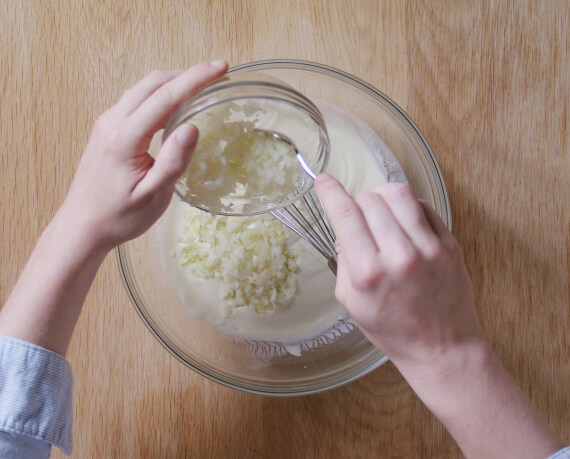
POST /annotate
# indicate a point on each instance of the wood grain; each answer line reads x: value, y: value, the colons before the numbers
x: 486, y: 82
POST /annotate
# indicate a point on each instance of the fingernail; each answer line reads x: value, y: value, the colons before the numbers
x: 186, y: 135
x: 220, y: 63
x: 322, y: 177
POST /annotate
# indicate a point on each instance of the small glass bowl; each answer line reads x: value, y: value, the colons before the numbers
x: 262, y: 367
x: 271, y: 106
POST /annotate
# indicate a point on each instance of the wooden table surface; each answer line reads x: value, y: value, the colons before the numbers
x: 486, y: 82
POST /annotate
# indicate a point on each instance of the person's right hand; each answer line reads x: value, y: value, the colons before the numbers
x: 402, y: 278
x: 401, y: 274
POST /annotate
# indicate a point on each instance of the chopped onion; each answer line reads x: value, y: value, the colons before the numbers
x: 233, y: 159
x: 249, y: 256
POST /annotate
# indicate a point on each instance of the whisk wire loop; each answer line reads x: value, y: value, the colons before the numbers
x: 307, y: 219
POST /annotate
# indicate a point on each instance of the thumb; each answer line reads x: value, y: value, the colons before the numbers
x: 172, y: 159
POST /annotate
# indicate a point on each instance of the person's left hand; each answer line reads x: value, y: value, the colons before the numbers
x: 119, y: 190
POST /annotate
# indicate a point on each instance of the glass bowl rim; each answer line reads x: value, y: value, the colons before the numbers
x: 283, y: 93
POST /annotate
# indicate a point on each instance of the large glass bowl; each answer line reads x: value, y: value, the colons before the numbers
x: 267, y: 367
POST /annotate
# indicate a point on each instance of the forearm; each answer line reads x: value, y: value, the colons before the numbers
x: 46, y: 302
x: 482, y: 408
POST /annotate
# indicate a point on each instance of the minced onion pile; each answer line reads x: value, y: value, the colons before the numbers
x: 233, y: 160
x: 248, y: 255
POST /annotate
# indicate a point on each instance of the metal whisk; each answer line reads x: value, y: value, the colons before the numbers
x: 306, y: 216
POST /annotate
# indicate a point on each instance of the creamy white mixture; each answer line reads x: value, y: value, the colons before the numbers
x: 360, y: 160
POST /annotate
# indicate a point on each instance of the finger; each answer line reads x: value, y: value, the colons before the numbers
x: 153, y: 113
x: 391, y: 239
x: 343, y: 284
x: 133, y: 97
x: 436, y: 223
x: 410, y: 215
x: 172, y: 160
x: 349, y: 225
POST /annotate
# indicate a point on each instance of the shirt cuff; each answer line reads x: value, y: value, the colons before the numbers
x: 562, y: 454
x: 36, y: 387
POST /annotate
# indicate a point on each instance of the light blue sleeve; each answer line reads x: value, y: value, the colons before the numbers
x: 562, y: 454
x: 36, y: 410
